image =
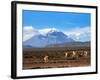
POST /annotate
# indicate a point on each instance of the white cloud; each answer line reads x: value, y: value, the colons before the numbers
x: 80, y: 34
x: 28, y: 32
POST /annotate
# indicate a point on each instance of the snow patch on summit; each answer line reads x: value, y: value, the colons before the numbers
x: 47, y: 30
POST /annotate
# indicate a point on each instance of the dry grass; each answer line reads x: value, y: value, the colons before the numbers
x: 55, y: 57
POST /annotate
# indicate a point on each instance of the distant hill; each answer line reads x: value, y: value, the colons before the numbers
x: 27, y: 46
x: 71, y: 44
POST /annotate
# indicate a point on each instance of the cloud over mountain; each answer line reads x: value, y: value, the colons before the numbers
x: 28, y: 32
x: 78, y: 34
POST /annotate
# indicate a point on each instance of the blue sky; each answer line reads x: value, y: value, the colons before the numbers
x: 59, y: 20
x: 73, y: 24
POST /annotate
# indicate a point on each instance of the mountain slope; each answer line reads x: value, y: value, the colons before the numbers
x: 51, y: 37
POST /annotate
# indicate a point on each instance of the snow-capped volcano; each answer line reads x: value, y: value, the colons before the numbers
x: 58, y: 37
x: 47, y: 30
x: 46, y: 37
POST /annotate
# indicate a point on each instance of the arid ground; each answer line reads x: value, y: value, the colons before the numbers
x: 39, y: 58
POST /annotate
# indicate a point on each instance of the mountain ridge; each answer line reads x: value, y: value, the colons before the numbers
x: 52, y: 37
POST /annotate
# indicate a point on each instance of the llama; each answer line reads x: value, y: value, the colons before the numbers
x: 85, y: 53
x: 66, y: 54
x: 73, y: 54
x: 45, y: 59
